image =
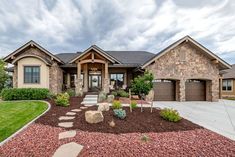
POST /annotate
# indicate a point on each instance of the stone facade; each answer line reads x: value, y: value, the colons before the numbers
x: 186, y: 62
x: 55, y: 78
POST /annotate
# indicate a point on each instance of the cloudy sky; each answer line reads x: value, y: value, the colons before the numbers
x: 73, y: 25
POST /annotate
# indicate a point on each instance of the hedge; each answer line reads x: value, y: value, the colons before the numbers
x: 24, y: 94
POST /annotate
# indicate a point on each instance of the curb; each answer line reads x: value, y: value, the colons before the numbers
x: 29, y: 123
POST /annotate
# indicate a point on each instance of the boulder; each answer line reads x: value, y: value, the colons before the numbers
x: 110, y: 98
x: 150, y: 96
x: 103, y: 107
x: 94, y: 117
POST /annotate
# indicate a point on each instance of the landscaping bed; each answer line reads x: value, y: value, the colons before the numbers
x: 136, y: 121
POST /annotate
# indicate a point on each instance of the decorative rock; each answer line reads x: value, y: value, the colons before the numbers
x: 66, y: 124
x: 67, y: 134
x: 71, y: 149
x: 76, y: 110
x: 70, y: 113
x: 94, y: 116
x: 110, y: 98
x: 66, y: 117
x: 83, y: 107
x: 103, y: 107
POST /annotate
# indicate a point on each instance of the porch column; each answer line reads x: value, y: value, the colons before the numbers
x: 106, y: 78
x: 79, y: 80
x: 68, y: 80
x: 85, y: 78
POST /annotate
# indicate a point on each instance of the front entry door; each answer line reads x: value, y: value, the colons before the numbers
x: 95, y: 82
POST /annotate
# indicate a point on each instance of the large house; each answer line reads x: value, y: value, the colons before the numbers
x: 228, y: 83
x: 184, y: 71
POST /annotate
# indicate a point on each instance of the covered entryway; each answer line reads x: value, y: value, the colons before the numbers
x: 195, y: 90
x: 164, y: 90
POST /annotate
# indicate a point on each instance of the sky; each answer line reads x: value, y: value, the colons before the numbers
x: 67, y: 26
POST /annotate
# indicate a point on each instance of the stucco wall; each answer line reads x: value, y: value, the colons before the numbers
x: 186, y: 62
x: 31, y: 61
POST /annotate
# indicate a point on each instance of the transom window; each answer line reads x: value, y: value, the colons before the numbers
x: 227, y: 85
x: 32, y: 74
x: 116, y: 80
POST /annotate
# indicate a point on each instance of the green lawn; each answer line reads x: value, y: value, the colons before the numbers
x: 14, y: 115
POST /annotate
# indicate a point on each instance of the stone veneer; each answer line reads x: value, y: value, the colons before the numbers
x: 186, y: 62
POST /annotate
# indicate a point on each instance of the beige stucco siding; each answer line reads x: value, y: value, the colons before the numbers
x: 44, y: 73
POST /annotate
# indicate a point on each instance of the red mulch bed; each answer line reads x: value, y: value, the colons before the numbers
x: 136, y: 121
x: 186, y: 139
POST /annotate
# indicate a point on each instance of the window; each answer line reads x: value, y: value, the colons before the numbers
x: 117, y: 80
x: 32, y: 74
x: 227, y: 85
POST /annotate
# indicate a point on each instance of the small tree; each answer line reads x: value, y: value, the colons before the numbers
x: 142, y: 84
x: 3, y: 75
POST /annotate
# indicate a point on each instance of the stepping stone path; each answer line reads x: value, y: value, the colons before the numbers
x: 67, y: 134
x: 70, y: 113
x: 90, y: 100
x: 66, y: 124
x: 76, y: 110
x: 71, y: 149
x: 66, y: 117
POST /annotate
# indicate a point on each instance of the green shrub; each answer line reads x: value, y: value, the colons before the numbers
x: 110, y: 98
x: 116, y: 104
x: 102, y: 96
x: 114, y: 93
x: 62, y: 99
x: 122, y: 93
x: 71, y: 92
x: 142, y: 84
x: 120, y: 113
x: 24, y: 94
x: 133, y: 104
x: 170, y: 115
x: 51, y: 96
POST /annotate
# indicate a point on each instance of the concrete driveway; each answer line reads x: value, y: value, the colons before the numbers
x: 216, y: 116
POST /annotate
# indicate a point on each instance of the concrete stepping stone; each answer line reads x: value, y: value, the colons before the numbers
x: 71, y: 149
x: 66, y: 117
x: 76, y: 110
x: 70, y: 113
x: 65, y: 124
x: 83, y: 107
x: 67, y: 134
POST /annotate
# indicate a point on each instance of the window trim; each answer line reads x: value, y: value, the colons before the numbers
x: 39, y: 66
x: 227, y: 85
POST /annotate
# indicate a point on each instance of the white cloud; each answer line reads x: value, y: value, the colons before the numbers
x: 73, y: 25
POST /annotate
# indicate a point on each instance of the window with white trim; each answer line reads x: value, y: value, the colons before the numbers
x: 227, y: 85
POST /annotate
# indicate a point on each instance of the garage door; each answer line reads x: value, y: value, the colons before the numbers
x: 195, y: 90
x: 164, y: 90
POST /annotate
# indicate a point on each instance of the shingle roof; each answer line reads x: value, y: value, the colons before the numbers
x: 66, y: 57
x: 131, y: 57
x: 229, y: 73
x: 128, y: 58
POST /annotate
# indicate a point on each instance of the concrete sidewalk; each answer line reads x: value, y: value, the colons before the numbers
x: 216, y: 116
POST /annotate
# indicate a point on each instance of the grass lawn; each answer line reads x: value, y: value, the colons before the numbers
x: 14, y: 115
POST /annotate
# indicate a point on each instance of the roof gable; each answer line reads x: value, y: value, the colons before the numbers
x: 99, y: 51
x: 31, y: 43
x: 223, y: 64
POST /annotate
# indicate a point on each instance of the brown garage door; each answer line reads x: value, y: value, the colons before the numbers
x: 164, y: 90
x: 195, y: 90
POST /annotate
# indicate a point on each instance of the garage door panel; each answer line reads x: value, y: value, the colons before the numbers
x: 164, y: 91
x: 195, y: 91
